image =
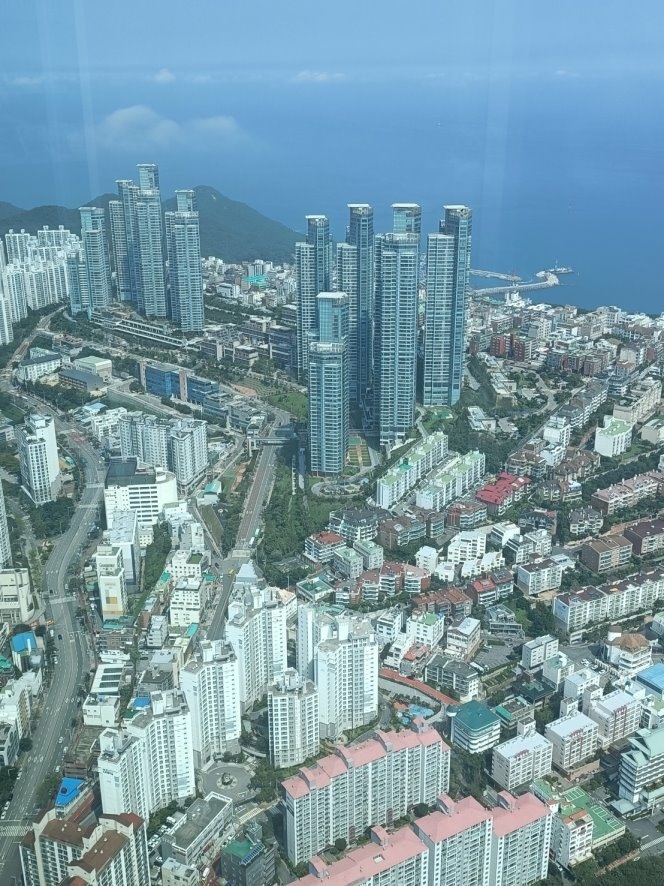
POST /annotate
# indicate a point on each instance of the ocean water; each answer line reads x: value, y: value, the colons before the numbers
x: 557, y: 169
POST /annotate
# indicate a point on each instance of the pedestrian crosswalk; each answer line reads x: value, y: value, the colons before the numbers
x: 14, y: 830
x: 651, y: 843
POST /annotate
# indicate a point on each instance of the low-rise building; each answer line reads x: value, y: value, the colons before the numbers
x: 614, y: 438
x: 464, y: 638
x: 202, y: 823
x: 646, y: 537
x: 617, y: 714
x: 452, y: 675
x: 539, y: 576
x: 535, y: 652
x: 585, y: 521
x: 475, y: 727
x: 320, y: 546
x: 627, y: 654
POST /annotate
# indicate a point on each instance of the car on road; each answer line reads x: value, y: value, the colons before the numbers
x: 59, y: 636
x: 61, y: 739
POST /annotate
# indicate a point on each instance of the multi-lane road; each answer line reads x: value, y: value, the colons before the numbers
x: 59, y: 703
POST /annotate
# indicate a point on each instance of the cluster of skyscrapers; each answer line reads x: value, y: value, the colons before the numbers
x: 360, y: 336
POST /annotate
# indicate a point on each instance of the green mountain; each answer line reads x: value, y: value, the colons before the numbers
x: 230, y: 230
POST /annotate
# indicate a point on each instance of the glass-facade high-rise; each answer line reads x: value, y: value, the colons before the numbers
x: 95, y: 252
x: 328, y: 385
x: 407, y: 218
x: 185, y: 275
x: 361, y: 236
x: 395, y: 336
x: 448, y: 265
x: 313, y: 275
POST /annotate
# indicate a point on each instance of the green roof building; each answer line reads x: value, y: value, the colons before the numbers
x: 475, y: 727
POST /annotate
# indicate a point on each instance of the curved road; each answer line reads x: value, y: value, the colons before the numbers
x: 59, y: 702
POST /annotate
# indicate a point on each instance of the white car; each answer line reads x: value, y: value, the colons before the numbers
x: 61, y: 739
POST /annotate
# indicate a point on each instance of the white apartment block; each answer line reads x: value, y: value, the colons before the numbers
x: 17, y: 604
x: 38, y: 458
x: 143, y: 490
x: 149, y: 762
x: 426, y: 628
x: 535, y: 652
x: 188, y: 600
x: 211, y: 685
x: 520, y: 760
x: 464, y: 639
x: 293, y: 725
x: 520, y: 840
x: 538, y: 577
x: 609, y: 602
x: 458, y: 837
x: 346, y: 673
x: 572, y: 838
x: 372, y: 783
x: 574, y: 738
x: 557, y: 430
x: 456, y: 476
x: 412, y: 467
x: 109, y: 563
x: 371, y: 553
x: 112, y: 851
x: 579, y: 681
x: 617, y: 714
x: 256, y: 629
x: 467, y: 545
x: 124, y: 535
x: 614, y: 438
x: 187, y: 564
x: 177, y: 445
x: 105, y: 427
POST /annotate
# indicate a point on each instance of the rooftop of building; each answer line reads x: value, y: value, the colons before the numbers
x: 521, y: 744
x: 458, y: 817
x: 653, y: 677
x: 514, y: 813
x: 567, y: 725
x: 198, y: 816
x: 475, y: 716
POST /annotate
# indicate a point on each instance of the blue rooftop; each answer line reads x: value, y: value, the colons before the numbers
x: 70, y: 788
x: 191, y: 630
x: 24, y: 643
x: 652, y: 677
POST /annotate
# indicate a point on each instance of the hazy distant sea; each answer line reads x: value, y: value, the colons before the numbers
x: 557, y: 169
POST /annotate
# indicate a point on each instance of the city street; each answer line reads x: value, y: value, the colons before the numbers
x: 59, y: 705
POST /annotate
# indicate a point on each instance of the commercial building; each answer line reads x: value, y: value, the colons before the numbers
x: 521, y: 759
x: 641, y: 777
x: 202, y: 824
x: 109, y: 563
x: 17, y: 604
x: 185, y: 276
x: 475, y: 727
x: 448, y: 264
x: 293, y: 726
x: 210, y: 684
x: 38, y: 458
x: 574, y: 738
x: 328, y: 381
x: 379, y: 780
x: 149, y: 761
x: 256, y: 629
x: 395, y: 335
x: 143, y: 490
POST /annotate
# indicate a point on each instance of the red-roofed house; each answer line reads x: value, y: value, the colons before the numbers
x: 502, y: 494
x: 320, y: 546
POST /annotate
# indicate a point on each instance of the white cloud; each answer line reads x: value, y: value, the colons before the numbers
x: 163, y: 75
x: 141, y: 128
x: 319, y: 77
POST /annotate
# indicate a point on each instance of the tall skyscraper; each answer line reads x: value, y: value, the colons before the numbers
x: 185, y: 276
x: 407, y: 218
x: 328, y: 386
x: 312, y: 270
x: 292, y: 716
x: 38, y: 458
x: 448, y: 264
x: 395, y: 335
x: 347, y: 282
x: 95, y: 252
x: 5, y: 547
x: 361, y: 237
x: 138, y: 234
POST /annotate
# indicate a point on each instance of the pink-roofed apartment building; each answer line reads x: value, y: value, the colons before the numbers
x: 460, y: 844
x: 520, y: 840
x: 372, y: 783
x: 397, y: 859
